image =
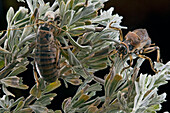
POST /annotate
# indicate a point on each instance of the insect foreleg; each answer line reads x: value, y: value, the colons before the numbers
x: 118, y: 29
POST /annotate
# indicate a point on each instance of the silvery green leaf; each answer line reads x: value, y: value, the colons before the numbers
x: 21, y: 1
x: 16, y: 102
x: 27, y: 30
x: 79, y: 1
x: 3, y: 51
x: 1, y: 33
x: 43, y: 9
x: 45, y: 99
x: 72, y: 59
x: 104, y: 16
x: 20, y: 14
x: 41, y: 2
x: 153, y: 108
x: 2, y: 110
x: 69, y: 4
x: 94, y: 87
x: 14, y: 81
x: 10, y: 15
x: 142, y: 80
x: 19, y: 106
x: 86, y: 11
x: 74, y: 43
x: 82, y: 29
x: 23, y: 50
x: 62, y: 8
x: 97, y: 66
x: 27, y: 38
x: 30, y: 5
x: 54, y: 6
x: 39, y: 109
x: 35, y: 91
x: 78, y: 6
x: 102, y: 1
x: 5, y: 90
x: 66, y: 17
x: 52, y: 86
x: 17, y: 71
x: 26, y: 110
x: 116, y: 22
x: 145, y: 100
x: 3, y: 101
x: 2, y: 64
x: 86, y: 38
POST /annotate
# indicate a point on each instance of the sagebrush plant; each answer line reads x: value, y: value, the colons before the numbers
x: 86, y: 40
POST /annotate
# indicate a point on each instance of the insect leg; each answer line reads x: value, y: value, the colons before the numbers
x: 131, y: 63
x: 150, y: 61
x: 35, y: 75
x: 112, y: 53
x: 151, y: 49
x: 118, y: 29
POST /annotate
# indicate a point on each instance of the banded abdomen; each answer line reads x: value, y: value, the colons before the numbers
x: 45, y: 54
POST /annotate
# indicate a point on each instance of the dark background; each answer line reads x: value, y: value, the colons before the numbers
x: 154, y: 15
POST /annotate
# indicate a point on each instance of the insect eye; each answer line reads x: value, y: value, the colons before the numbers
x: 130, y: 47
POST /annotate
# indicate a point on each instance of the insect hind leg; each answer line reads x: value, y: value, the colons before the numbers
x: 150, y: 61
x: 151, y: 49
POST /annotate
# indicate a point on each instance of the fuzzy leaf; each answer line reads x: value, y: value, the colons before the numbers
x: 10, y: 15
x: 14, y: 81
x: 3, y: 51
x: 35, y: 91
x: 2, y: 64
x: 20, y: 14
x: 17, y: 101
x: 114, y: 83
x: 46, y: 99
x: 94, y: 87
x: 39, y: 109
x: 26, y: 110
x: 92, y: 109
x: 30, y: 5
x: 5, y: 90
x: 82, y: 29
x: 52, y: 86
x: 58, y: 111
x: 74, y: 43
x: 21, y: 1
x: 19, y: 106
x: 86, y: 11
x: 83, y: 98
x: 17, y: 71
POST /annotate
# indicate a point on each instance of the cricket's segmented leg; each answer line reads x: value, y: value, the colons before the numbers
x: 35, y: 75
x: 118, y: 29
x: 150, y: 61
x: 151, y: 49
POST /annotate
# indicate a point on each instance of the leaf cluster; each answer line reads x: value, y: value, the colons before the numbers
x: 88, y: 39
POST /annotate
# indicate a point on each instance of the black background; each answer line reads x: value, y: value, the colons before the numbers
x: 154, y: 15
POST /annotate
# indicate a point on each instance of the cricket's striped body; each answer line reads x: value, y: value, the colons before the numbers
x: 46, y: 53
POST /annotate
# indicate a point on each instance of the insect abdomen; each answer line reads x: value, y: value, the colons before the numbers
x: 45, y: 55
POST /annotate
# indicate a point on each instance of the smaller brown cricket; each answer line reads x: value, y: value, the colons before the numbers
x: 137, y: 42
